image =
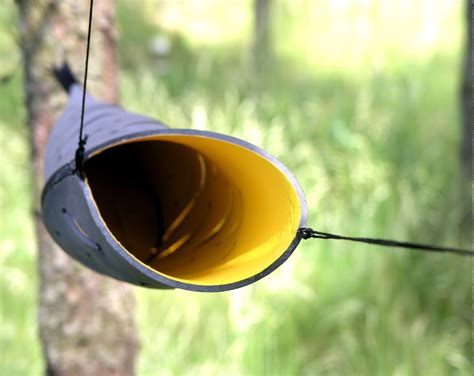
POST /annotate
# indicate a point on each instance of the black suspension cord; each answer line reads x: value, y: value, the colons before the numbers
x: 309, y: 233
x: 83, y: 139
x: 304, y: 232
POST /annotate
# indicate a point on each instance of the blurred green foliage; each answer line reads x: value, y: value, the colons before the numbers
x: 360, y: 100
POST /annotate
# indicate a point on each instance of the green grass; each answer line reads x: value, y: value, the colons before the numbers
x: 373, y: 140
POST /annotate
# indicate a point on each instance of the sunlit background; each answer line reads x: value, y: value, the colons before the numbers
x: 360, y: 100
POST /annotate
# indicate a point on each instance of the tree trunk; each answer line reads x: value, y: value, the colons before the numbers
x: 467, y: 123
x: 262, y: 33
x: 86, y: 321
x: 467, y: 103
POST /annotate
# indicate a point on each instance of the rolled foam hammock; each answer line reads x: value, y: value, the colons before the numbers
x: 166, y: 207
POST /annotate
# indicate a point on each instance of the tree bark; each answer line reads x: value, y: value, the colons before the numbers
x: 86, y: 321
x: 467, y: 99
x: 467, y: 123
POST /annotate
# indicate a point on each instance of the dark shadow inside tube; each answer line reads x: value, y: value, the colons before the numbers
x: 166, y: 204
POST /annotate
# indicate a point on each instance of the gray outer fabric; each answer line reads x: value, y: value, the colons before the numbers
x: 68, y: 205
x: 69, y: 210
x: 102, y: 122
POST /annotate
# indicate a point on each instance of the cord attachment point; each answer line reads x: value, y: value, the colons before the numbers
x: 304, y: 232
x: 309, y: 233
x: 79, y: 157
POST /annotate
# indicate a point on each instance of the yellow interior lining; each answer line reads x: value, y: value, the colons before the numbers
x: 195, y: 209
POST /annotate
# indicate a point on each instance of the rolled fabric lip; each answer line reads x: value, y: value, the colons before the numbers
x: 167, y: 208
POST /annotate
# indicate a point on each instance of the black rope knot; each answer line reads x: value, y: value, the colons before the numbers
x: 305, y: 233
x: 309, y: 233
x: 79, y: 157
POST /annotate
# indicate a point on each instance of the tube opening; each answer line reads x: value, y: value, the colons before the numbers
x: 197, y: 210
